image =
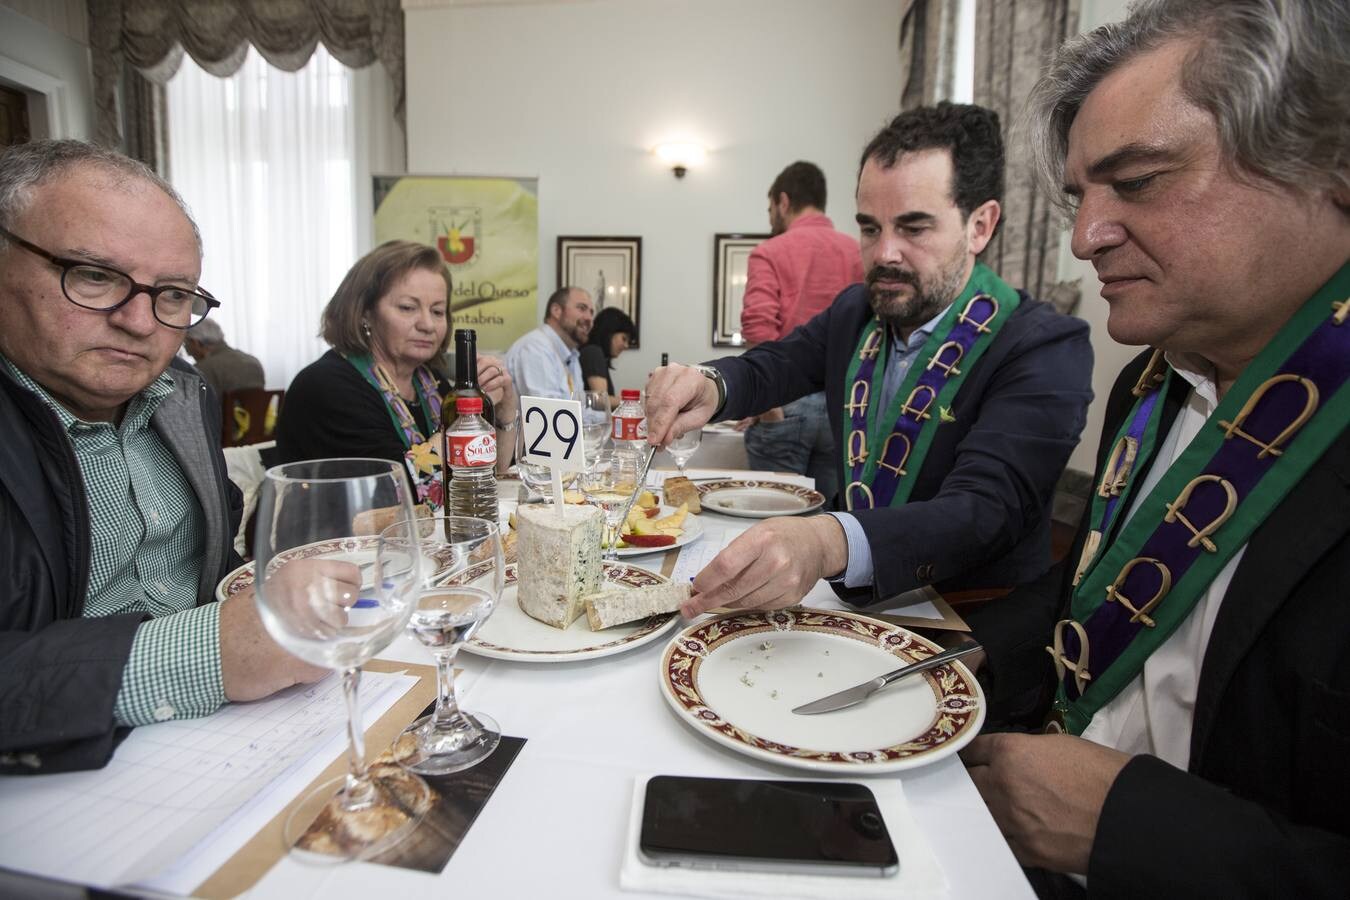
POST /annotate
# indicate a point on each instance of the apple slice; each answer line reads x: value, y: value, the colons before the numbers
x: 649, y: 540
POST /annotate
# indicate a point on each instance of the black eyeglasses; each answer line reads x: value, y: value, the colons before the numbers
x: 106, y: 289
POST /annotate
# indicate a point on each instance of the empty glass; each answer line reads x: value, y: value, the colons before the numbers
x: 595, y: 421
x: 683, y: 448
x: 535, y: 478
x: 459, y: 588
x: 321, y: 597
x: 611, y: 484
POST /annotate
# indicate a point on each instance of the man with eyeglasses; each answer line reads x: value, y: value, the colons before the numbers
x: 116, y: 517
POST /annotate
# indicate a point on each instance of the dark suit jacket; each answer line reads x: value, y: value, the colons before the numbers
x: 979, y: 513
x: 1263, y: 809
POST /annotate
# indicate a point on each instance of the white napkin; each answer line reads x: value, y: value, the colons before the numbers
x: 920, y: 877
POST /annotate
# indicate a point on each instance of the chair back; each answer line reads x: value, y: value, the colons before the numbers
x: 249, y: 416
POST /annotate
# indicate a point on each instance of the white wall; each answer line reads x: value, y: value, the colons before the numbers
x: 1110, y: 357
x: 36, y: 57
x: 578, y: 93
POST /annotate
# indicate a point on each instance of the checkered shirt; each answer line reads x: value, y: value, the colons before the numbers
x: 146, y: 557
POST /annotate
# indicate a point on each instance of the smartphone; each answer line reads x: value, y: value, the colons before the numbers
x: 822, y: 827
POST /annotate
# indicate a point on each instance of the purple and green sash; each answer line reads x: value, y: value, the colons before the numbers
x: 884, y: 452
x: 1279, y: 417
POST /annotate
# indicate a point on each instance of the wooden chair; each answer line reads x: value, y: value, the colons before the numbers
x: 249, y: 416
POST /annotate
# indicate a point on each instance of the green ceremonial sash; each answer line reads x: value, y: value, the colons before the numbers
x: 884, y: 452
x: 1278, y: 419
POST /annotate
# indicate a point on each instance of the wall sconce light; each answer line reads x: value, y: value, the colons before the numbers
x: 681, y: 157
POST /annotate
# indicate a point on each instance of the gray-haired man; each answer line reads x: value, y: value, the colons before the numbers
x: 224, y: 368
x: 116, y: 518
x: 1201, y: 642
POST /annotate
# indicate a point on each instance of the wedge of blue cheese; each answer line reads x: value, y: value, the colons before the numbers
x: 618, y: 606
x: 558, y: 560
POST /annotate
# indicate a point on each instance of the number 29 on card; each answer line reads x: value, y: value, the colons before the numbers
x: 551, y: 430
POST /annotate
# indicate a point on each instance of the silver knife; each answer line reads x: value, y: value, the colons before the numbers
x: 855, y: 695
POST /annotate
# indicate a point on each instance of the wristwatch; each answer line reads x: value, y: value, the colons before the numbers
x: 716, y: 378
x: 509, y: 426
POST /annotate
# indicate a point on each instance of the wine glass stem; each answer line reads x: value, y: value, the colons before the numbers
x: 447, y: 704
x: 359, y: 791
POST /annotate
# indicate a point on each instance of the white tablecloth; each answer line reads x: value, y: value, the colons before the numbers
x: 557, y: 823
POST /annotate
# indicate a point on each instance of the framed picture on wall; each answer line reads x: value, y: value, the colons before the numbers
x: 731, y: 256
x: 610, y: 268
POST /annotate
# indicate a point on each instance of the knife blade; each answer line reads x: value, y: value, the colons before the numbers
x: 858, y: 693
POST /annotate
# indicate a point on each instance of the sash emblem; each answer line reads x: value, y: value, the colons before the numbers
x: 948, y: 367
x: 872, y: 346
x: 898, y: 468
x: 1079, y: 667
x: 967, y: 319
x: 1140, y: 614
x: 858, y: 486
x: 857, y: 447
x: 1273, y: 447
x: 855, y: 403
x: 919, y: 413
x: 1117, y: 472
x: 1201, y: 535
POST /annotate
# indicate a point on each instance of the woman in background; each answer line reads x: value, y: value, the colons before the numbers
x: 612, y: 332
x: 375, y: 394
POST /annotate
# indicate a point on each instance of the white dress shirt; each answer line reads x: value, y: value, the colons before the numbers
x: 541, y: 365
x: 1152, y: 714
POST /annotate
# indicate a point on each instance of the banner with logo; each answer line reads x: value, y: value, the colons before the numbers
x: 487, y: 231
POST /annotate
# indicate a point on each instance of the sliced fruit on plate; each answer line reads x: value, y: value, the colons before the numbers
x: 647, y: 500
x: 648, y: 540
x: 675, y: 520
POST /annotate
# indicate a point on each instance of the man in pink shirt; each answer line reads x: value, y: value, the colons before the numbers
x: 789, y: 278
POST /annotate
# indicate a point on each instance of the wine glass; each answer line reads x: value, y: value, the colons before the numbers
x: 683, y: 448
x: 320, y: 596
x: 459, y: 588
x: 536, y: 478
x: 595, y: 421
x: 611, y: 483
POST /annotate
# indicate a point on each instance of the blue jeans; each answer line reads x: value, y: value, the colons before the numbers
x: 801, y: 443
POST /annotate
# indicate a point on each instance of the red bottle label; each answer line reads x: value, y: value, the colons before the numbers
x: 626, y: 429
x: 473, y: 450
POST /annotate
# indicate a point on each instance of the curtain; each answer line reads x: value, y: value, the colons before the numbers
x: 1014, y: 40
x: 928, y: 38
x: 272, y: 165
x: 152, y: 35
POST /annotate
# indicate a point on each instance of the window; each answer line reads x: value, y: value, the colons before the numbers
x: 268, y: 164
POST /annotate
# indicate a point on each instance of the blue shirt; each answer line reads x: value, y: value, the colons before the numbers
x: 898, y: 362
x: 541, y: 365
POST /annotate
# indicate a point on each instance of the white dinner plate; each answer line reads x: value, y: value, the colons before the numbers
x: 512, y: 635
x: 358, y: 550
x: 758, y: 499
x: 692, y: 531
x: 737, y: 678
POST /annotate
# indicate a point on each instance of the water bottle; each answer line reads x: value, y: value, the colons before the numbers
x: 630, y: 424
x: 471, y: 456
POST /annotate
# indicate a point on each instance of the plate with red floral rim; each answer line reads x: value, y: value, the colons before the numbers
x: 735, y: 679
x: 359, y: 550
x: 510, y: 634
x: 758, y: 499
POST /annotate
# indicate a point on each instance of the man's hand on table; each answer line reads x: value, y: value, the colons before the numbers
x: 1046, y: 793
x: 770, y: 566
x: 252, y: 665
x: 679, y: 399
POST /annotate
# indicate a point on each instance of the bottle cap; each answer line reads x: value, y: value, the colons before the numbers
x: 468, y: 405
x: 630, y: 395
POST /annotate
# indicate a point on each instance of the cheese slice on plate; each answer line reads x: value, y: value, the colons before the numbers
x: 559, y: 553
x: 617, y: 606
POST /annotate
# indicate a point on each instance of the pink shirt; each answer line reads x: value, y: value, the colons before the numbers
x: 791, y: 277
